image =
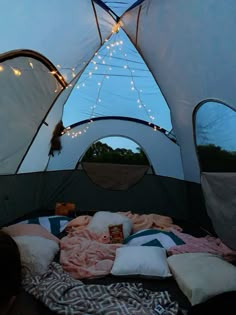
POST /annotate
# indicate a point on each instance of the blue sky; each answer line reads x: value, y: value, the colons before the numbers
x: 117, y: 83
x: 216, y: 124
x: 121, y: 142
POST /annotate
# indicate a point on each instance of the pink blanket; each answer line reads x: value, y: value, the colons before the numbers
x: 140, y: 222
x: 86, y: 255
x: 207, y: 244
x: 148, y: 221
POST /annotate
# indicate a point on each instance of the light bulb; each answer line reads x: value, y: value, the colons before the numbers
x: 16, y: 72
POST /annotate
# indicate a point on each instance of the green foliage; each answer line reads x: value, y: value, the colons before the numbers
x: 214, y: 159
x: 102, y: 153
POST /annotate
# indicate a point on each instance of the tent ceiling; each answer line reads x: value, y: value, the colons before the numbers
x: 119, y: 7
x: 67, y: 32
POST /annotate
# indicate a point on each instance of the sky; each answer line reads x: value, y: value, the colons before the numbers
x: 117, y: 83
x: 216, y: 124
x: 120, y: 142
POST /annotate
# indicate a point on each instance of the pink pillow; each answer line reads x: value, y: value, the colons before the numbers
x: 29, y: 229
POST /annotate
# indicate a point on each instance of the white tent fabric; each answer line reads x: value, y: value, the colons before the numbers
x: 119, y: 7
x: 164, y: 154
x: 26, y: 96
x: 67, y: 32
x: 189, y: 47
x: 40, y: 147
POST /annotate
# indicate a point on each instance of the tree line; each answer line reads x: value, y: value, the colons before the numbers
x: 215, y: 159
x: 102, y: 153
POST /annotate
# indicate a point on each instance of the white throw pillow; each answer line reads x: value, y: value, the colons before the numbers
x: 36, y: 253
x: 201, y: 275
x: 102, y: 219
x: 147, y: 261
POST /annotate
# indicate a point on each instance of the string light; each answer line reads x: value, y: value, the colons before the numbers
x: 99, y: 84
x: 116, y: 27
x: 133, y: 86
x: 110, y: 51
x: 16, y: 71
x: 99, y: 58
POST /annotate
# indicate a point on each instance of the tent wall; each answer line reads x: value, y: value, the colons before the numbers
x: 220, y: 195
x: 67, y: 32
x: 37, y: 156
x: 26, y: 97
x: 164, y: 154
x: 189, y: 47
x: 24, y: 193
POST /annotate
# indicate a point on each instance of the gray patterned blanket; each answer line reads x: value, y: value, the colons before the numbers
x: 65, y: 295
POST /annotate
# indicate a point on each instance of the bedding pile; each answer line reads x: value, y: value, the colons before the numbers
x: 152, y: 247
x: 65, y: 295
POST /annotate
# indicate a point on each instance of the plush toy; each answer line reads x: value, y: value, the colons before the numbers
x: 65, y: 208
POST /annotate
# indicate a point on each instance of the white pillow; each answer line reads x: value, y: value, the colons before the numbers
x: 148, y: 261
x: 36, y: 253
x: 102, y: 219
x: 201, y: 275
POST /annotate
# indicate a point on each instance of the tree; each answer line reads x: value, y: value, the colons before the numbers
x: 102, y: 153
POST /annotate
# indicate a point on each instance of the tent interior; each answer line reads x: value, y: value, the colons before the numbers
x: 149, y: 79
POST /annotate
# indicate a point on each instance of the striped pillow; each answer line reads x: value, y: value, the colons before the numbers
x: 54, y: 224
x: 153, y: 237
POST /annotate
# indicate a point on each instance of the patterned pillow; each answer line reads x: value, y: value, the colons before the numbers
x: 54, y: 224
x: 153, y: 237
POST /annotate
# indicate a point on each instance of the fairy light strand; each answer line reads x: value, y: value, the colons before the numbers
x: 95, y: 63
x: 99, y: 59
x: 134, y: 87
